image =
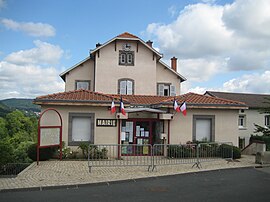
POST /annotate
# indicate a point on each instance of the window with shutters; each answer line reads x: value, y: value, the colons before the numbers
x: 126, y: 58
x: 164, y: 89
x: 126, y: 86
x: 80, y: 128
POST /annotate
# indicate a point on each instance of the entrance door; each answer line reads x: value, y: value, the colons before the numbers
x: 137, y: 135
x: 143, y: 137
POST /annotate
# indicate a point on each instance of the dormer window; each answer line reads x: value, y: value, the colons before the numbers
x: 126, y: 58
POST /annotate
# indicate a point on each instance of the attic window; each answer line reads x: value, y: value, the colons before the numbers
x: 126, y: 58
x: 85, y: 85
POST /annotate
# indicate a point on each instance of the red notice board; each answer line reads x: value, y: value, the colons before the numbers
x: 49, y: 136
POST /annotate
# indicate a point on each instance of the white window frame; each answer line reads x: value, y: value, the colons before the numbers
x: 125, y: 86
x: 242, y: 121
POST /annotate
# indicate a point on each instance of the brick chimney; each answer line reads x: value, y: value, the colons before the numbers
x: 174, y: 63
x: 149, y: 43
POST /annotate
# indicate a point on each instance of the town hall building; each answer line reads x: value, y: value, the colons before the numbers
x: 129, y: 69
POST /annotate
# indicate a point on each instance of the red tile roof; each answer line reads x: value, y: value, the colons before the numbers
x: 127, y: 35
x: 191, y: 99
x: 77, y: 95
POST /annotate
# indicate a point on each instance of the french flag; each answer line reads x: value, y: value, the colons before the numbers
x: 122, y: 108
x: 183, y: 108
x: 175, y: 106
x: 113, y: 108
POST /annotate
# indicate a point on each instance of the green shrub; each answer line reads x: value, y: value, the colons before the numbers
x: 225, y: 151
x: 208, y: 150
x: 96, y: 153
x: 84, y: 147
x: 181, y: 151
x: 44, y: 153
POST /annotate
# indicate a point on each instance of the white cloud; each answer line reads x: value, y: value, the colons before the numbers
x: 211, y: 39
x: 197, y: 32
x: 43, y: 53
x: 200, y: 69
x: 30, y: 28
x: 248, y: 18
x: 248, y: 83
x: 24, y: 77
x: 259, y: 83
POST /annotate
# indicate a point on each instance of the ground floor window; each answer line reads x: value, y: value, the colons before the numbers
x: 203, y: 128
x: 241, y: 142
x: 81, y: 128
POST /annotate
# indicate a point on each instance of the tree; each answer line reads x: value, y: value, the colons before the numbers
x: 17, y: 133
x: 265, y: 130
x: 3, y: 129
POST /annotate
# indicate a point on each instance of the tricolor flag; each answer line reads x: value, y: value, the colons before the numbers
x: 183, y: 108
x: 122, y: 108
x: 175, y: 106
x: 113, y: 108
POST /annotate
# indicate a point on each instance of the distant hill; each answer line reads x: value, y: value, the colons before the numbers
x: 25, y: 105
x: 4, y: 109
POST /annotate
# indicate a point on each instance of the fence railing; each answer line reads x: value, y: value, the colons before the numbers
x: 111, y: 155
x: 115, y: 155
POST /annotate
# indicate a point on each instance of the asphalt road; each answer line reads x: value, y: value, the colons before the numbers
x: 246, y: 184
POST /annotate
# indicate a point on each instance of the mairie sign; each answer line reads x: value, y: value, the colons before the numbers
x: 107, y: 122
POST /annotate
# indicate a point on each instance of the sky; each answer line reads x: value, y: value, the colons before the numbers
x: 221, y: 45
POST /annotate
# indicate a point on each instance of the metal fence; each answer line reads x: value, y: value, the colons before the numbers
x: 174, y: 154
x: 115, y: 155
x: 111, y: 155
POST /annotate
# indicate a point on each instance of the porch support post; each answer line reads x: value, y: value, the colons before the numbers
x: 119, y: 139
x: 169, y: 131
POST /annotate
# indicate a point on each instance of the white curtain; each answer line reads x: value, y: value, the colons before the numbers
x: 203, y: 129
x: 81, y: 128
